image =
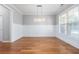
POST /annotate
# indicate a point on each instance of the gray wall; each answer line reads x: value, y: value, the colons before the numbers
x: 37, y: 29
x: 17, y: 18
x: 29, y: 20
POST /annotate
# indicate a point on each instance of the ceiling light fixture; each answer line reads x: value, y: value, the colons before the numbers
x: 61, y: 4
x: 39, y: 5
x: 39, y: 14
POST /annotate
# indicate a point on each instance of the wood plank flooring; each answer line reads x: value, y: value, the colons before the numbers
x: 37, y: 45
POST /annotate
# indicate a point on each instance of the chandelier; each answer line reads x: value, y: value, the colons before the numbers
x: 39, y: 14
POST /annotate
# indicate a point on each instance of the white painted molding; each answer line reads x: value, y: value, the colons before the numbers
x: 6, y: 41
x: 6, y: 7
x: 39, y: 36
x: 68, y: 42
x: 12, y: 7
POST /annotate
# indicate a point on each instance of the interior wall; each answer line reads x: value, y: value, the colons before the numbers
x: 72, y: 40
x: 17, y: 26
x: 37, y: 29
x: 4, y: 12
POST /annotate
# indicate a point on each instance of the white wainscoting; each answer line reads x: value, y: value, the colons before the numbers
x: 17, y: 32
x: 1, y: 28
x: 39, y: 30
x: 72, y: 40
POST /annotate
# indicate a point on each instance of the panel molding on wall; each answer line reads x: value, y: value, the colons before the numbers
x: 38, y: 30
x: 17, y: 32
x: 1, y: 27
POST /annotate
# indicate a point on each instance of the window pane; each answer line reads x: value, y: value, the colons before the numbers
x: 73, y: 21
x: 62, y: 27
x: 62, y: 23
x: 71, y: 16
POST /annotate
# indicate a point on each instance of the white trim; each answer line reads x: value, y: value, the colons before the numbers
x: 11, y: 19
x: 66, y: 10
x: 6, y: 41
x: 6, y: 6
x: 10, y: 41
x: 68, y: 42
x: 12, y: 7
x: 39, y: 36
x: 13, y: 40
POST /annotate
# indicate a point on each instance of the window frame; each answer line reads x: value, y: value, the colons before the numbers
x: 67, y: 22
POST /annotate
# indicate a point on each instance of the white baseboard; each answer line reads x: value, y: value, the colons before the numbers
x: 69, y: 42
x: 28, y: 36
x: 6, y: 41
x: 14, y: 39
x: 39, y: 36
x: 61, y: 38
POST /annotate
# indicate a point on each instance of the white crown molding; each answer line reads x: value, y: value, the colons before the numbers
x: 12, y: 7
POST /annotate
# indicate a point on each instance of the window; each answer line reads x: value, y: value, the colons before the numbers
x: 62, y: 23
x: 69, y: 22
x: 73, y: 21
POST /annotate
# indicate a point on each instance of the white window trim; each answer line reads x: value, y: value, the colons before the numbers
x: 66, y: 26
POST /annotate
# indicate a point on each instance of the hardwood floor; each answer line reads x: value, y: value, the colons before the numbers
x: 37, y: 45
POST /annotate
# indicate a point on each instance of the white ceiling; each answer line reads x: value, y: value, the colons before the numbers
x: 46, y: 9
